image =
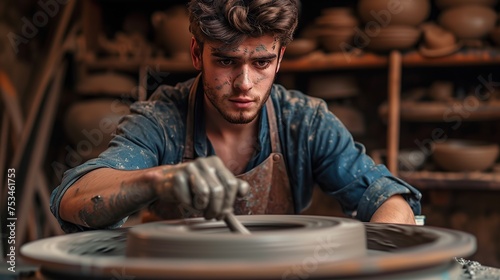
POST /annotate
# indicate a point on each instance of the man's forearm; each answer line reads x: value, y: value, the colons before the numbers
x: 394, y: 210
x: 105, y: 196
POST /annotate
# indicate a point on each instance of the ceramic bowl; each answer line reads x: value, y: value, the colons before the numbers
x: 330, y: 87
x: 335, y: 40
x: 459, y: 155
x: 337, y: 17
x: 386, y: 12
x: 172, y: 31
x: 436, y: 37
x: 300, y: 47
x: 444, y: 4
x: 411, y: 160
x: 440, y: 52
x: 338, y: 11
x: 441, y: 91
x: 107, y: 83
x: 336, y: 21
x: 468, y: 22
x: 437, y: 41
x: 390, y: 38
x: 89, y: 124
x: 351, y: 117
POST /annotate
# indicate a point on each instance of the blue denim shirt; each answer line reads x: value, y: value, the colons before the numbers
x: 318, y: 150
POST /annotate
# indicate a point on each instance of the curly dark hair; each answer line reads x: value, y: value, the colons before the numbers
x: 231, y: 21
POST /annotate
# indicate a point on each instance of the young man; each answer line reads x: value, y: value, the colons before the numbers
x: 231, y: 140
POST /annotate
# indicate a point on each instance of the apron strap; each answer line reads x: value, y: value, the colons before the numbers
x: 189, y: 143
x: 273, y: 127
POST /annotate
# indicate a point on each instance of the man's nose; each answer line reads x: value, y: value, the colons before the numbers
x: 243, y: 81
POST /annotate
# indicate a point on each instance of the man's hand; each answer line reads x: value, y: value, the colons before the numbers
x: 204, y: 184
x: 394, y: 210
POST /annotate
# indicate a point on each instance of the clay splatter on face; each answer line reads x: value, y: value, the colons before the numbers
x: 274, y: 43
x: 261, y: 48
x: 247, y: 79
x: 260, y: 79
x: 220, y: 86
x: 237, y: 84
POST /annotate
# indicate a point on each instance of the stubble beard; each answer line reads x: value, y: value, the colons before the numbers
x: 238, y: 118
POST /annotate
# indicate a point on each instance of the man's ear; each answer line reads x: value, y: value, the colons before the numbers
x: 196, y: 54
x: 280, y: 57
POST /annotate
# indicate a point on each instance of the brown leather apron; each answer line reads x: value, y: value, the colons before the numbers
x: 270, y: 191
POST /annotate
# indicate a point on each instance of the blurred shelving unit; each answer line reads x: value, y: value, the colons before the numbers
x: 395, y: 112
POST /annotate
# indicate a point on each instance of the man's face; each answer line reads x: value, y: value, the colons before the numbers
x: 237, y: 81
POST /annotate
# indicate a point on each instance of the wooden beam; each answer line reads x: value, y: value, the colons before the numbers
x: 394, y: 100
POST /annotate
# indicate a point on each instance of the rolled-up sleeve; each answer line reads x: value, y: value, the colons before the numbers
x: 69, y: 178
x: 136, y: 145
x: 383, y: 188
x: 344, y: 170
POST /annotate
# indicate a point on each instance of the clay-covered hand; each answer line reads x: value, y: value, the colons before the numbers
x: 204, y: 184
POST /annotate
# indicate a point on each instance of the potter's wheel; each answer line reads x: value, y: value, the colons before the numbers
x: 280, y: 247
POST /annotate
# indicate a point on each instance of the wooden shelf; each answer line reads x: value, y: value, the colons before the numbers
x: 315, y: 61
x: 426, y: 111
x: 115, y: 63
x: 452, y: 180
x: 432, y: 179
x: 319, y: 60
x: 171, y: 65
x: 110, y: 63
x: 465, y: 57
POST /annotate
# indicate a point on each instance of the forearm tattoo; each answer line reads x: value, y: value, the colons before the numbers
x: 104, y: 211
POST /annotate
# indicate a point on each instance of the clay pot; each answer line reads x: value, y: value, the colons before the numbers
x: 338, y: 11
x: 336, y: 40
x: 300, y: 47
x: 89, y: 125
x: 108, y: 83
x: 465, y: 155
x: 411, y: 160
x: 337, y: 18
x: 468, y: 22
x: 394, y: 38
x: 441, y: 91
x: 172, y: 31
x: 435, y: 37
x: 444, y: 4
x: 389, y: 12
x: 330, y: 87
x: 351, y: 117
x: 438, y: 41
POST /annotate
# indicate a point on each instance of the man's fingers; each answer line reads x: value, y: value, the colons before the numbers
x: 240, y: 187
x: 243, y: 188
x: 198, y: 187
x: 216, y: 188
x: 206, y: 184
x: 233, y: 187
x: 180, y: 188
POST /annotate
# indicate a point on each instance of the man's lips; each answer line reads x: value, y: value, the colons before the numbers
x: 242, y: 102
x: 241, y: 99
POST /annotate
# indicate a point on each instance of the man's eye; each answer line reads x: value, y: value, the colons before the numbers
x: 262, y: 63
x: 225, y: 62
